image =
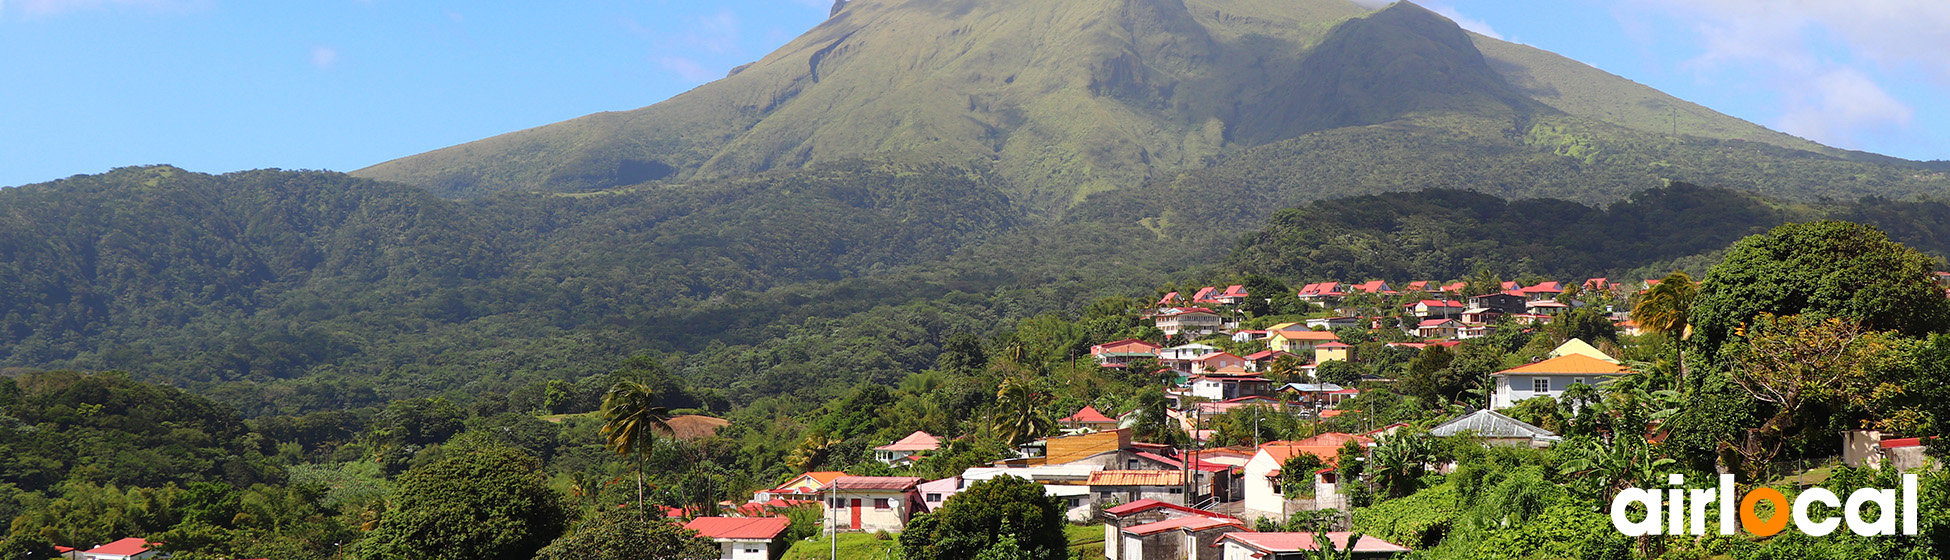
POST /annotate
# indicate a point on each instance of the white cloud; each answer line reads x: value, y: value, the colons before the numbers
x: 1819, y: 56
x: 324, y: 57
x: 1479, y: 26
x: 686, y: 68
x: 1841, y: 107
x: 1373, y: 4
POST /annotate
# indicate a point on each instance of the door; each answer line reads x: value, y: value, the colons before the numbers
x: 856, y: 513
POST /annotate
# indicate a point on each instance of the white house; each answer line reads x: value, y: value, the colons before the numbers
x: 1549, y: 378
x: 743, y: 538
x: 1195, y: 320
x: 1180, y: 357
x: 905, y: 451
x: 873, y: 503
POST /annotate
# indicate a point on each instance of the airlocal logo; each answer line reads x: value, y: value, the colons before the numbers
x: 1686, y: 509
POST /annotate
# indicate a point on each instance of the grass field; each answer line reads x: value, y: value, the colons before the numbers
x: 1086, y: 542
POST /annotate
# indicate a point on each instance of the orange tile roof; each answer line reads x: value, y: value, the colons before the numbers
x: 1136, y: 478
x: 1569, y: 364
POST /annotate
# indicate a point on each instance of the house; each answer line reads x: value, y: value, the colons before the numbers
x: 1223, y: 385
x: 1322, y: 293
x: 1373, y: 287
x: 1298, y: 341
x: 1454, y: 289
x: 808, y: 486
x: 1122, y: 486
x: 1244, y: 545
x: 1248, y: 335
x: 1322, y: 395
x: 1234, y: 295
x: 1549, y: 378
x: 873, y: 503
x: 1867, y: 447
x: 1437, y: 309
x: 131, y: 548
x: 1506, y: 303
x: 1217, y: 361
x: 1438, y: 328
x: 1204, y: 295
x: 1089, y: 418
x: 1171, y: 299
x: 1334, y: 350
x: 1180, y: 357
x: 1424, y: 286
x: 1545, y: 307
x: 934, y: 493
x: 908, y: 449
x: 1264, y: 497
x: 1183, y: 538
x: 1193, y: 320
x: 744, y: 538
x: 1497, y: 429
x: 1141, y: 512
x: 1629, y: 327
x: 1330, y: 323
x: 1543, y: 291
x: 1117, y: 354
x: 1475, y: 316
x: 1263, y: 360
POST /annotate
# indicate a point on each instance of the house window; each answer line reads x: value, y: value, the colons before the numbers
x: 1577, y: 381
x: 1176, y: 491
x: 1130, y: 464
x: 1075, y: 503
x: 1105, y: 496
x: 934, y: 497
x: 1540, y: 384
x: 751, y: 551
x: 880, y: 503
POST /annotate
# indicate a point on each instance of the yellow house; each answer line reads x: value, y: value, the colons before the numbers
x: 1298, y: 341
x: 1335, y: 350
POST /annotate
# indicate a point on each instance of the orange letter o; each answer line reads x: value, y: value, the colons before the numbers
x: 1750, y: 518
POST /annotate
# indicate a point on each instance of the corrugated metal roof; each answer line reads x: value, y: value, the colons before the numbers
x: 1137, y: 478
x: 1193, y: 522
x: 1296, y: 542
x: 1491, y: 424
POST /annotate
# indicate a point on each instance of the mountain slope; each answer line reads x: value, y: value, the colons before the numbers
x: 1065, y: 97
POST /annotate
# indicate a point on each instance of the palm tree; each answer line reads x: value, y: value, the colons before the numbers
x: 1667, y: 308
x: 1018, y: 419
x: 1398, y: 463
x: 811, y: 451
x: 631, y: 420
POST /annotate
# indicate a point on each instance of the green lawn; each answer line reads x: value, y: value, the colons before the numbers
x: 1086, y: 542
x: 861, y: 546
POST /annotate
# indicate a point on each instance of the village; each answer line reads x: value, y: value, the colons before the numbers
x: 1203, y: 502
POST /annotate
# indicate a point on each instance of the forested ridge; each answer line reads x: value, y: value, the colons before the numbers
x: 284, y: 292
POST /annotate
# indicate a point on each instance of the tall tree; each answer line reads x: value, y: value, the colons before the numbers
x: 1666, y: 308
x: 631, y: 420
x: 616, y: 535
x: 1829, y: 268
x: 482, y: 501
x: 976, y: 520
x: 1795, y: 363
x: 1019, y: 413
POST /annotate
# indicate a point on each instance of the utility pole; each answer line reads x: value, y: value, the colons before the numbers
x: 832, y: 530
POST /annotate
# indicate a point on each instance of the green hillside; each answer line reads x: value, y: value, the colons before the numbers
x: 1072, y: 97
x: 284, y: 292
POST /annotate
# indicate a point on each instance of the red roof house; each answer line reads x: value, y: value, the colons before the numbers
x: 1089, y: 417
x: 126, y: 549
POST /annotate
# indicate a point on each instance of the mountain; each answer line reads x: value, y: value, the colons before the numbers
x: 1071, y: 97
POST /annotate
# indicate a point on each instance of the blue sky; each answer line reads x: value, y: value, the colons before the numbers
x: 223, y: 85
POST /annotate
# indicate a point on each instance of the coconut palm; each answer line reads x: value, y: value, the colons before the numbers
x: 631, y: 420
x: 1018, y: 418
x: 1398, y: 463
x: 1667, y: 308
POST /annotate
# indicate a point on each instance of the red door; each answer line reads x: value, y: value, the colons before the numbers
x: 856, y: 513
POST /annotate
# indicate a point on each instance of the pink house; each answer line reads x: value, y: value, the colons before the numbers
x: 1217, y: 360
